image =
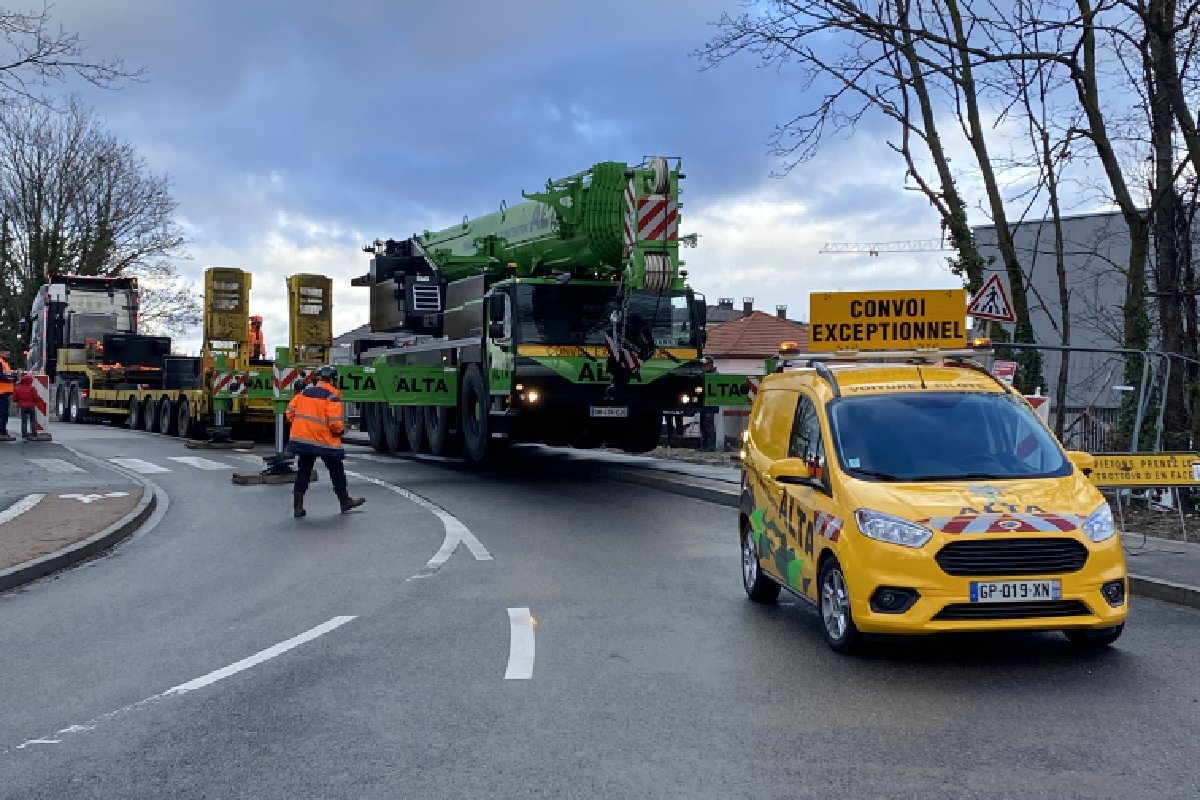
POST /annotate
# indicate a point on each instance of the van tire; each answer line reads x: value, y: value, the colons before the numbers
x: 759, y: 588
x: 833, y: 609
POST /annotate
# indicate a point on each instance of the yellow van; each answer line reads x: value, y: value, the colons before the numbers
x: 922, y: 497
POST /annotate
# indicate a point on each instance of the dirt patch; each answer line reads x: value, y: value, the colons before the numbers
x: 1163, y: 523
x: 694, y: 456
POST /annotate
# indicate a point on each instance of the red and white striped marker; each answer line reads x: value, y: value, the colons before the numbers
x: 41, y: 383
x: 658, y: 218
x: 221, y: 381
x: 284, y: 378
x: 751, y: 388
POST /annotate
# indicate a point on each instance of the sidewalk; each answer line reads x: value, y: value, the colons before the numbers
x: 57, y: 509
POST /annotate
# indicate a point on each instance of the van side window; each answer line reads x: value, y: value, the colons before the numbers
x: 806, y: 441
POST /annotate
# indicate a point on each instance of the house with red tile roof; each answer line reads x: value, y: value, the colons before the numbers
x: 742, y: 345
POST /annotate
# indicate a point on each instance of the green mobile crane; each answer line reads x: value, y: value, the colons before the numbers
x: 565, y: 319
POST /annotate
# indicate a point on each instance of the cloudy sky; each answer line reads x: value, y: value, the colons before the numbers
x: 296, y: 132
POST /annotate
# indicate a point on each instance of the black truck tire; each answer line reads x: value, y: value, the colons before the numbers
x: 74, y: 411
x: 150, y: 415
x: 166, y: 417
x: 439, y: 422
x: 473, y: 406
x: 414, y: 428
x: 393, y: 430
x: 183, y: 418
x: 134, y: 420
x: 373, y: 420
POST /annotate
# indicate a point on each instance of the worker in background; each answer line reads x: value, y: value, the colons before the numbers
x: 708, y: 416
x: 315, y: 415
x: 258, y: 346
x: 6, y: 391
x: 26, y: 398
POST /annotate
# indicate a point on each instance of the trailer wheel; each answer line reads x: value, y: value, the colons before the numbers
x: 134, y: 420
x: 474, y: 404
x: 373, y: 417
x: 74, y: 413
x: 414, y: 428
x: 166, y: 417
x: 149, y: 416
x: 60, y: 405
x: 439, y: 422
x: 183, y: 417
x: 393, y: 431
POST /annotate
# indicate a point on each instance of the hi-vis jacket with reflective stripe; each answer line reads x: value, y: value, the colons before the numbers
x: 316, y: 417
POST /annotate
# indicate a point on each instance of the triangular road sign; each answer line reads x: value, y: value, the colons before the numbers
x: 991, y: 302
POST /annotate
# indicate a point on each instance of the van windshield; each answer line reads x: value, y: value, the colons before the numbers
x: 943, y: 436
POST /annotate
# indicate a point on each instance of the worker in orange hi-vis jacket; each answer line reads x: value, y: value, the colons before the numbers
x: 6, y: 392
x: 315, y: 415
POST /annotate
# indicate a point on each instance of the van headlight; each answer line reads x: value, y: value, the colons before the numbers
x: 893, y: 530
x: 1100, y: 526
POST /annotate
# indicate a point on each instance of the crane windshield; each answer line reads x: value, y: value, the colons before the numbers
x: 576, y: 314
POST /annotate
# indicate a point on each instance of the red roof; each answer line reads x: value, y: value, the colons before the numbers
x: 757, y: 335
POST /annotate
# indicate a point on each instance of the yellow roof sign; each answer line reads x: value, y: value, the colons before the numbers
x: 897, y: 320
x: 1147, y: 469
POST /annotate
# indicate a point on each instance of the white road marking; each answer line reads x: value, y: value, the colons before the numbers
x: 373, y: 457
x: 456, y: 532
x: 139, y: 466
x: 55, y: 465
x: 91, y: 498
x: 198, y: 683
x: 520, y: 645
x: 200, y: 463
x: 20, y: 507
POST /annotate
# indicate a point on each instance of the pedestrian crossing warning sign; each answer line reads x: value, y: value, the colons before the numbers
x: 991, y: 302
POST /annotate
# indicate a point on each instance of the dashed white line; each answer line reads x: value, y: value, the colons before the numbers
x: 197, y: 683
x: 521, y: 648
x: 138, y: 466
x: 200, y: 463
x: 20, y: 507
x: 55, y: 465
x: 456, y: 532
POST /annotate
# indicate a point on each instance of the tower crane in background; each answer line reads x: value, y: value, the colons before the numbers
x: 875, y: 248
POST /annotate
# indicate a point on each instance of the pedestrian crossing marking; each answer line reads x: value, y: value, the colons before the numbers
x: 138, y: 466
x: 200, y: 463
x: 55, y: 465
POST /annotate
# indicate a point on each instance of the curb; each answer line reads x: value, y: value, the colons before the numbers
x: 42, y: 566
x: 1141, y: 585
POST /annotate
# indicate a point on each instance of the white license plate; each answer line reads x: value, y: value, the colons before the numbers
x: 610, y: 411
x: 1014, y: 591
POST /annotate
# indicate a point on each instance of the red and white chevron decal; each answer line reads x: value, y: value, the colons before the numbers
x: 41, y: 410
x: 284, y: 378
x: 221, y: 382
x: 752, y: 388
x: 658, y: 218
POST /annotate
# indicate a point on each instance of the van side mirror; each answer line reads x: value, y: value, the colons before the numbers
x: 790, y: 470
x: 1086, y: 462
x: 496, y: 307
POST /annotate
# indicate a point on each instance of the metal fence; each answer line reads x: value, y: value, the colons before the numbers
x: 1094, y: 408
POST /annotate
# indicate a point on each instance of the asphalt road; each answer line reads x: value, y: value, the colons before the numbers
x: 234, y: 652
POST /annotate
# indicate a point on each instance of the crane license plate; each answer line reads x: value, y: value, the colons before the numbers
x: 1015, y: 591
x: 610, y: 411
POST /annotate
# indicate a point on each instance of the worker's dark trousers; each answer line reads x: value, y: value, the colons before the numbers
x: 304, y: 466
x: 28, y: 422
x: 4, y: 398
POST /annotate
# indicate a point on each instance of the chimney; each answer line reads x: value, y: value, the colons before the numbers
x: 781, y: 312
x: 725, y: 303
x: 747, y: 305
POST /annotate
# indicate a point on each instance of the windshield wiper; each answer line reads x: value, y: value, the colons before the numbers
x: 874, y: 473
x: 967, y: 476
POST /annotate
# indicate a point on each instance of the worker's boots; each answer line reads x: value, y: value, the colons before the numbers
x: 349, y: 503
x: 298, y: 505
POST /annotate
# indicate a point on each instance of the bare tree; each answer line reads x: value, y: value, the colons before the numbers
x: 75, y: 199
x: 35, y: 52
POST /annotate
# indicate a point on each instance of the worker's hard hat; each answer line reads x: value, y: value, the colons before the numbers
x: 298, y: 385
x: 325, y: 372
x: 708, y: 359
